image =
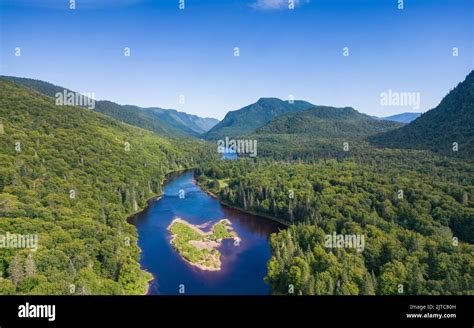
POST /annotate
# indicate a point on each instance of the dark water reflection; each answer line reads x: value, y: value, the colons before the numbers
x: 243, y: 266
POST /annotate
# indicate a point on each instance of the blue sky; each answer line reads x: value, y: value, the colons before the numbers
x: 283, y: 52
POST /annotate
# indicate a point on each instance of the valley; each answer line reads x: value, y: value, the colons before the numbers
x: 253, y: 160
x: 73, y: 175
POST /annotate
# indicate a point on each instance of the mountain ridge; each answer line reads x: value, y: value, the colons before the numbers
x: 326, y: 122
x: 406, y: 117
x: 452, y: 121
x: 168, y: 122
x: 251, y: 117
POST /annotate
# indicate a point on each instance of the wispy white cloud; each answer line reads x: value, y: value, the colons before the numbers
x: 276, y: 4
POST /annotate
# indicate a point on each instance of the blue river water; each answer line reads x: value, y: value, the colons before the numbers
x: 243, y: 265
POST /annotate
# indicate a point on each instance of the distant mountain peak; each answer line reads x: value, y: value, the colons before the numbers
x: 250, y: 118
x: 402, y: 117
x: 266, y: 100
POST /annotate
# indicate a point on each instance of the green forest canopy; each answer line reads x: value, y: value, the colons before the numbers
x: 417, y: 217
x: 415, y: 208
x: 86, y: 245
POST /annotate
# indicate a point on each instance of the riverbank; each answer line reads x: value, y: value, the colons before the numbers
x: 243, y: 264
x: 134, y: 215
x: 131, y: 219
x: 268, y: 217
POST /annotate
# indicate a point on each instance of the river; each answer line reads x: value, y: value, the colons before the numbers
x: 243, y: 265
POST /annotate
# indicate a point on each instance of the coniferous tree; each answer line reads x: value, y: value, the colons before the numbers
x: 16, y: 270
x: 30, y: 265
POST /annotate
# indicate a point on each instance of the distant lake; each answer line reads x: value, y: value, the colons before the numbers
x: 243, y: 266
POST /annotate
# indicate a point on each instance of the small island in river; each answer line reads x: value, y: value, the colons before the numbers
x: 197, y: 247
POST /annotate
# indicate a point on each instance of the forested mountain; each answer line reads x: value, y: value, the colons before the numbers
x: 452, y: 121
x: 248, y: 119
x: 318, y: 132
x: 326, y: 122
x: 402, y: 118
x: 414, y: 207
x: 72, y: 176
x: 162, y: 121
x: 414, y: 210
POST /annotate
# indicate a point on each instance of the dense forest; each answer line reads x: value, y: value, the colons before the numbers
x: 318, y: 132
x: 72, y: 177
x: 327, y: 122
x: 417, y: 216
x: 333, y: 172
